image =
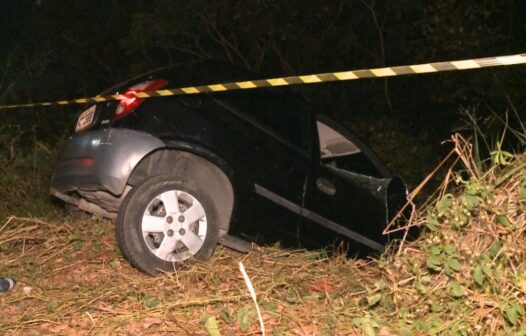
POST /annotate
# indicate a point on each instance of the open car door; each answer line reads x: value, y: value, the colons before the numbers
x: 350, y: 195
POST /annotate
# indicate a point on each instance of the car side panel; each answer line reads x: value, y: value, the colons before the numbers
x: 255, y: 156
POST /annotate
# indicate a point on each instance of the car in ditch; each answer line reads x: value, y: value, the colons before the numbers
x: 180, y: 174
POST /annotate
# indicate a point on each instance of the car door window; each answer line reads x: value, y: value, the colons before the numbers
x: 332, y: 143
x: 342, y: 151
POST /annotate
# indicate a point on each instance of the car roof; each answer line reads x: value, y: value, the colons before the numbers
x: 191, y: 74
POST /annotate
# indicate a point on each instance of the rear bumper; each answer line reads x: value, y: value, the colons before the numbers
x: 101, y: 160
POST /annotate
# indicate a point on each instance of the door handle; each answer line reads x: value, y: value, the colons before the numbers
x: 325, y: 186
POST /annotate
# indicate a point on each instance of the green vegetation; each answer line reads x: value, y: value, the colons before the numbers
x: 25, y: 168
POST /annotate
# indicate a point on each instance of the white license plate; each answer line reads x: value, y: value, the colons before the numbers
x: 85, y: 119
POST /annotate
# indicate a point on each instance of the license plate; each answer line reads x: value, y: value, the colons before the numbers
x: 85, y: 119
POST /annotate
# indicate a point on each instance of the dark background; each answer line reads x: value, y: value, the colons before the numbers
x: 52, y: 50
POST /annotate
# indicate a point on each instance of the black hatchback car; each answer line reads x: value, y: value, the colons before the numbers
x: 183, y: 173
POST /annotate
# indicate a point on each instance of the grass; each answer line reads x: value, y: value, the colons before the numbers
x: 72, y: 280
x: 25, y: 169
x: 465, y: 275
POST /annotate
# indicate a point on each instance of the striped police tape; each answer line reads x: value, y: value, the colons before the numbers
x: 304, y: 79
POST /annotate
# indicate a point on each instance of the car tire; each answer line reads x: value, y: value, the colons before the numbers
x: 166, y: 222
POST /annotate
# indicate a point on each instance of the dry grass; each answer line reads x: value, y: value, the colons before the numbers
x: 465, y: 276
x: 72, y: 280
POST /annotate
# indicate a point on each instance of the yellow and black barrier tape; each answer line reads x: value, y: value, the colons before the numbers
x: 304, y: 79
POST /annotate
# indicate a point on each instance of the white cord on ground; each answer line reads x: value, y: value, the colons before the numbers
x: 253, y: 295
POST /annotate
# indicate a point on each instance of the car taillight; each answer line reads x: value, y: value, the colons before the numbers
x: 126, y: 106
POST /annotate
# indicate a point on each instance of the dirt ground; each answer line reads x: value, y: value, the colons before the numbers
x: 72, y: 280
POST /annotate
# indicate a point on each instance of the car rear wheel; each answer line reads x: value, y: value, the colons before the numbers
x: 165, y: 222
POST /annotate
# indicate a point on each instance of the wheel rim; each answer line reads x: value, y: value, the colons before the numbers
x: 174, y: 226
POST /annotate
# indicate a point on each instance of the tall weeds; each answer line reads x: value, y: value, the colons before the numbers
x: 25, y: 168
